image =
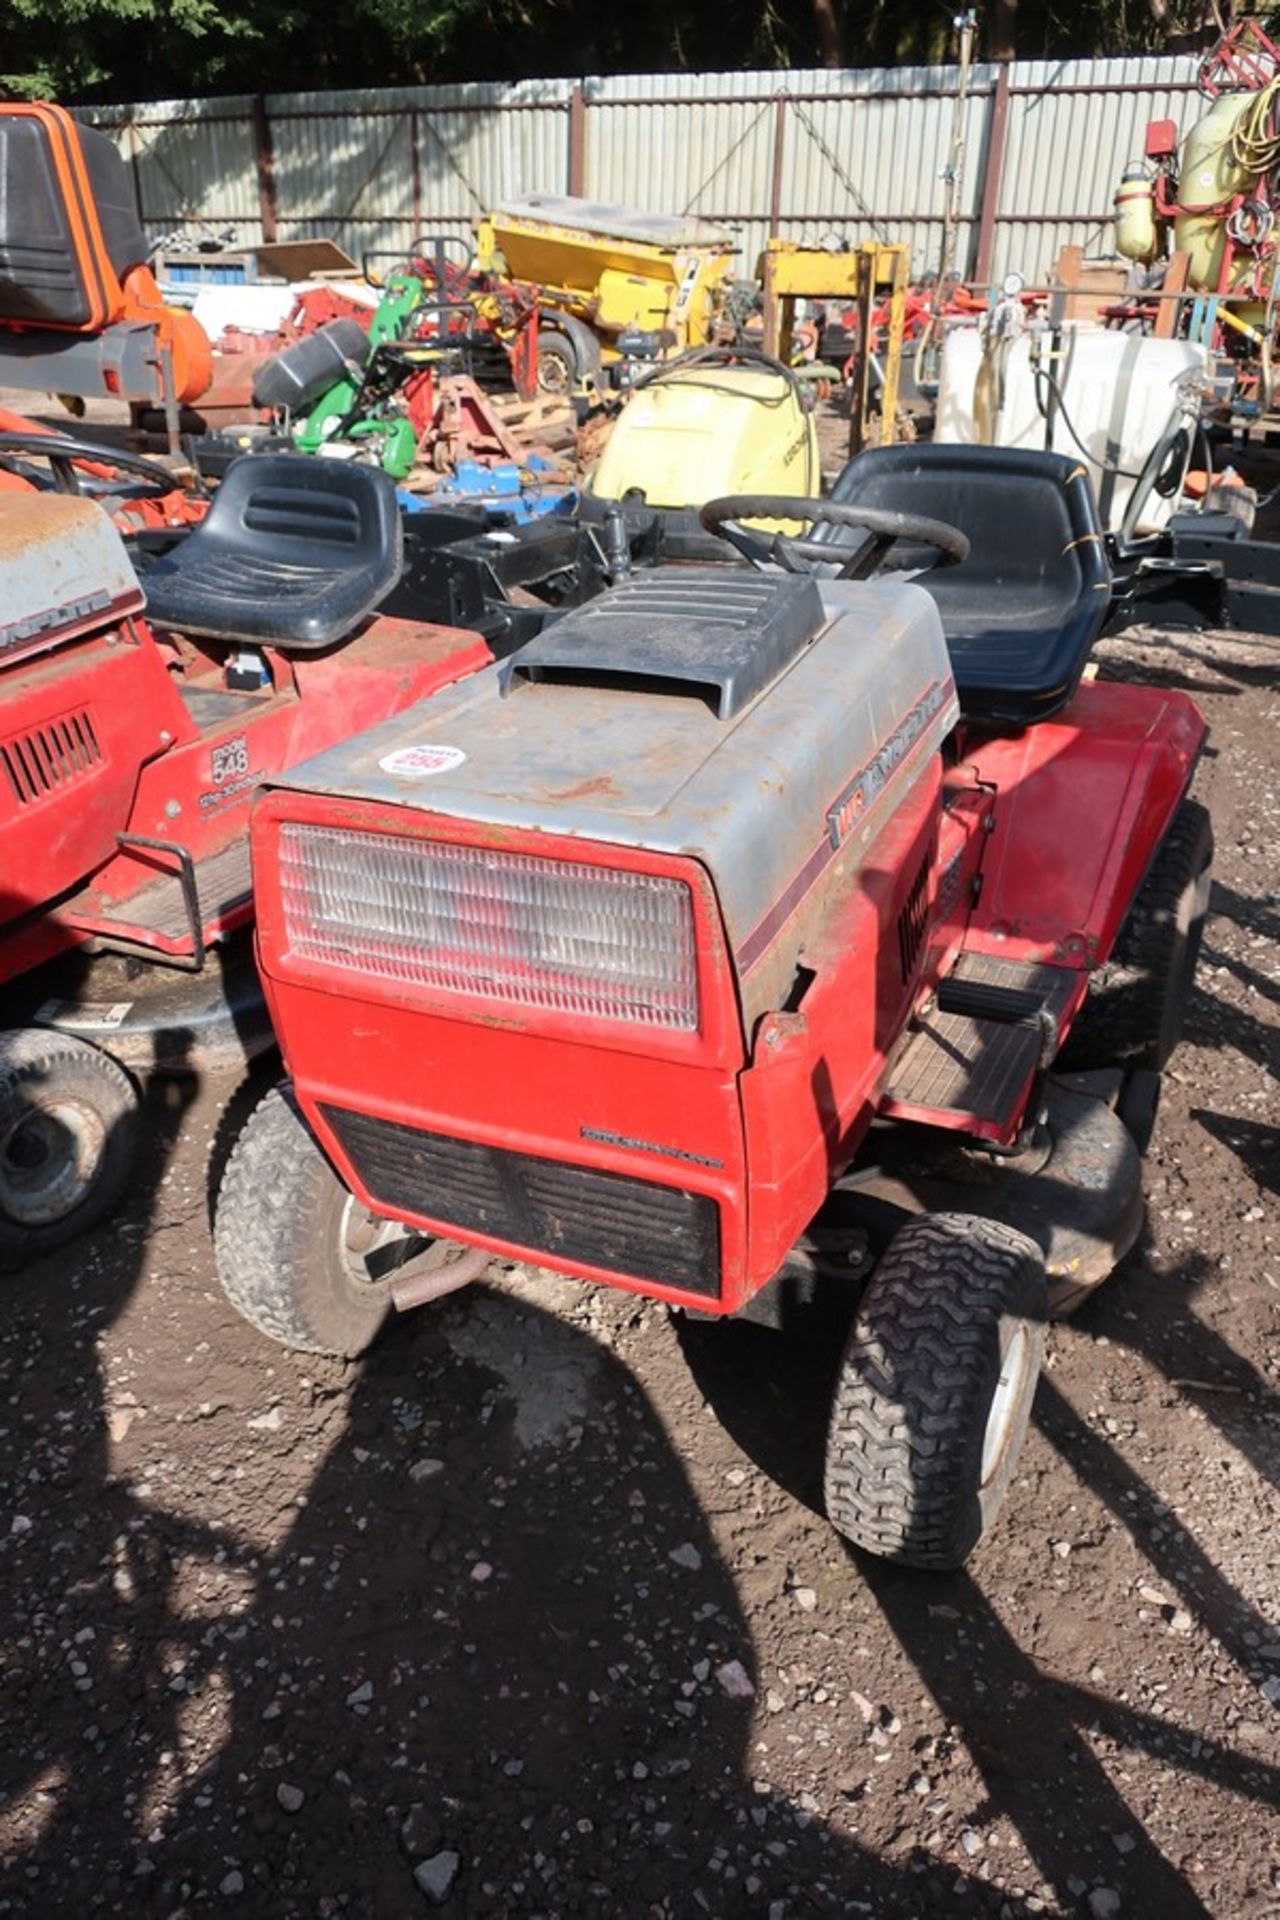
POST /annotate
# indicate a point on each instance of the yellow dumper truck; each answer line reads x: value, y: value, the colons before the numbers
x: 602, y: 271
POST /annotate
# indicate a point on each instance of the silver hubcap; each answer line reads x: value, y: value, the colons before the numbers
x: 49, y: 1161
x: 1005, y: 1403
x: 554, y: 375
x: 376, y: 1251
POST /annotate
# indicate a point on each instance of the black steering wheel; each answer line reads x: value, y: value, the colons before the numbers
x: 785, y: 550
x: 63, y: 450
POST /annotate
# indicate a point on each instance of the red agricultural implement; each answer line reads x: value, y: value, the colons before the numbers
x: 130, y: 748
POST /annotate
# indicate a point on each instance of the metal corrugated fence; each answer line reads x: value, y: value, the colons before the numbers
x: 806, y: 155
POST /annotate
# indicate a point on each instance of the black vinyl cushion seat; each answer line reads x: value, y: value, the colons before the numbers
x: 42, y: 271
x: 295, y: 551
x: 1021, y: 614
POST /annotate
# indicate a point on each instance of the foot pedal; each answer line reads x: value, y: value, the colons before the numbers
x: 986, y: 1002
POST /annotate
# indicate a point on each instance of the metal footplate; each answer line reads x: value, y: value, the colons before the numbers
x: 159, y: 915
x: 971, y: 1061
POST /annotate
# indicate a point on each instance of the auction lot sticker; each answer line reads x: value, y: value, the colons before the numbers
x: 418, y: 763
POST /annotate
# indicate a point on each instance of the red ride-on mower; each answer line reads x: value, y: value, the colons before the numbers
x: 129, y: 752
x: 748, y: 933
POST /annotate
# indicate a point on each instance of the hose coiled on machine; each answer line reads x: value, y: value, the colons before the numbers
x: 1255, y: 143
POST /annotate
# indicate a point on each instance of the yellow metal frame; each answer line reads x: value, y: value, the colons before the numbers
x: 860, y: 275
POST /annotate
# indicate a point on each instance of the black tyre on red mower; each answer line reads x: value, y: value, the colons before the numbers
x: 935, y: 1389
x: 1138, y: 1001
x: 297, y: 1254
x: 68, y: 1129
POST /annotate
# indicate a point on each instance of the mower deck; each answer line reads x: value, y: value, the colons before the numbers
x: 149, y: 1018
x: 971, y: 1060
x: 1076, y: 1191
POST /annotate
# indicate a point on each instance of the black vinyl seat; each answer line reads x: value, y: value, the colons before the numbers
x: 295, y: 552
x: 1021, y: 614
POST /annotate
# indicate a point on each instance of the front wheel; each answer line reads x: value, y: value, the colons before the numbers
x: 296, y: 1253
x: 935, y: 1389
x: 68, y: 1131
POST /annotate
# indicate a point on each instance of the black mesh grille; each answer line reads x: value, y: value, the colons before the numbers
x: 605, y: 1220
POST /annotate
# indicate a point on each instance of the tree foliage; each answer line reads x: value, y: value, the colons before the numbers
x: 80, y: 50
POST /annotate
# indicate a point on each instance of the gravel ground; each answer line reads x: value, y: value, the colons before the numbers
x: 532, y: 1612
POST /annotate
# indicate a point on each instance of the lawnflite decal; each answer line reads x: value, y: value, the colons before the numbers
x: 648, y: 1146
x: 862, y: 792
x: 51, y: 618
x: 419, y: 763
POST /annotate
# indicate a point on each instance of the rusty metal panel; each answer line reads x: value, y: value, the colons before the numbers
x: 405, y: 161
x: 862, y: 152
x: 873, y: 166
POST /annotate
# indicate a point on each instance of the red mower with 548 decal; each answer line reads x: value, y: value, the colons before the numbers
x: 130, y: 748
x: 757, y: 930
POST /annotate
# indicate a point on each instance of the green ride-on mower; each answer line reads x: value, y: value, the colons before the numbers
x: 752, y: 934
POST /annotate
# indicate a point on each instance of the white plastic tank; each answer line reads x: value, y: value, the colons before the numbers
x: 1119, y: 389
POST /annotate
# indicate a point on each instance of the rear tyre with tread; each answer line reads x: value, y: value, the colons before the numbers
x: 935, y: 1389
x: 1138, y: 1001
x: 68, y: 1134
x: 281, y: 1238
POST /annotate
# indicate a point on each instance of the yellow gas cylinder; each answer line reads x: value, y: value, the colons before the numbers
x: 1135, y: 214
x: 1210, y: 175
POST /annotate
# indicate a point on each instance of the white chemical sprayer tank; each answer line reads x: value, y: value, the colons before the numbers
x: 1120, y: 391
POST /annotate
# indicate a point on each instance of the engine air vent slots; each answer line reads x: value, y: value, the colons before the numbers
x: 913, y: 920
x: 46, y: 759
x: 719, y: 633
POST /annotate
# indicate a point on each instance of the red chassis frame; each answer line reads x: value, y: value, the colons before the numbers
x: 1029, y: 846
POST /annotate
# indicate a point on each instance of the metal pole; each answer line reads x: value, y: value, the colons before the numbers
x: 779, y: 149
x: 264, y: 156
x: 965, y: 24
x: 169, y: 390
x: 993, y: 176
x: 577, y: 140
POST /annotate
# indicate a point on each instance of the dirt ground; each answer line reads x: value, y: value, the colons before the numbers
x: 533, y: 1613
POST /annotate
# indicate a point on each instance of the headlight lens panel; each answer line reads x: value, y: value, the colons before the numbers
x: 563, y: 936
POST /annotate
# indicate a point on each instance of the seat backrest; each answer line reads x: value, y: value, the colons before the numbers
x: 295, y: 552
x: 299, y: 511
x: 1022, y: 612
x: 69, y: 230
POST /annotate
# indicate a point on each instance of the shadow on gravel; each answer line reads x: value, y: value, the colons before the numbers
x: 1192, y: 1356
x: 493, y: 1645
x: 90, y: 1619
x: 1032, y: 1736
x: 1255, y: 1145
x: 1188, y: 663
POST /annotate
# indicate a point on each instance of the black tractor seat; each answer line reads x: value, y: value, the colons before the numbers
x: 295, y: 552
x: 1021, y: 614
